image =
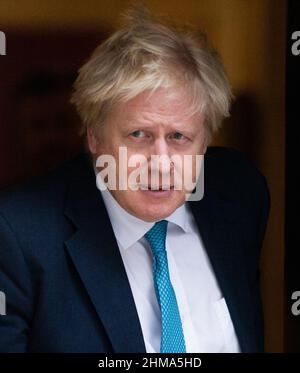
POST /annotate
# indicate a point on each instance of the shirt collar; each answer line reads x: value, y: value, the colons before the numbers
x: 127, y: 228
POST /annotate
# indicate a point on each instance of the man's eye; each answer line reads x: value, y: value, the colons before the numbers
x: 178, y: 136
x: 138, y: 134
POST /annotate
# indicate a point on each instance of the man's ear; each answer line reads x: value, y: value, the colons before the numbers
x: 92, y: 140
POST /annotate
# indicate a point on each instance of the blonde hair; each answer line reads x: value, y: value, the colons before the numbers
x: 146, y: 54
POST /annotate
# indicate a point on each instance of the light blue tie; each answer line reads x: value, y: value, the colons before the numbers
x: 172, y: 338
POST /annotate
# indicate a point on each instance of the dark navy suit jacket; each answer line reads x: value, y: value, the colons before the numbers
x: 61, y: 270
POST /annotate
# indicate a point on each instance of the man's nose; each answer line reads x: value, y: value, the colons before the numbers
x: 161, y: 149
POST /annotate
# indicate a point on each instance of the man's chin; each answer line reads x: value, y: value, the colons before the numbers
x: 155, y: 211
x: 150, y: 207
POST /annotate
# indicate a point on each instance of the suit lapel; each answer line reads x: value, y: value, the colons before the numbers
x: 95, y: 254
x: 218, y: 223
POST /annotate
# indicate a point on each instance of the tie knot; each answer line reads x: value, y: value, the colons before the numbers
x: 156, y: 236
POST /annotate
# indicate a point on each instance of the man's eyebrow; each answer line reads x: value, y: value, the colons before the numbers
x: 135, y: 126
x: 150, y: 124
x: 139, y: 125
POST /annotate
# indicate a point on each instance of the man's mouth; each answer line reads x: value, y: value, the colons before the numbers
x: 158, y: 192
x: 157, y: 188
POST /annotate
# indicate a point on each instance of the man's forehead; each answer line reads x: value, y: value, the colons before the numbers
x: 159, y: 97
x: 171, y: 104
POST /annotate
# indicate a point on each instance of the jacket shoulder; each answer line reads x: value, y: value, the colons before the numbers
x: 41, y: 194
x: 232, y: 173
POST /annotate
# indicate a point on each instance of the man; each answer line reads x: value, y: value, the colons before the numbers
x: 141, y: 268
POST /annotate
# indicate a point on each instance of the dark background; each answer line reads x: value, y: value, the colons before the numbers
x: 47, y: 41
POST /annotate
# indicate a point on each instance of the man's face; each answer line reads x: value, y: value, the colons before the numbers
x: 152, y: 125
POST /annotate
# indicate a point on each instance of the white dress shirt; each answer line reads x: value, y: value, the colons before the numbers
x: 206, y: 322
